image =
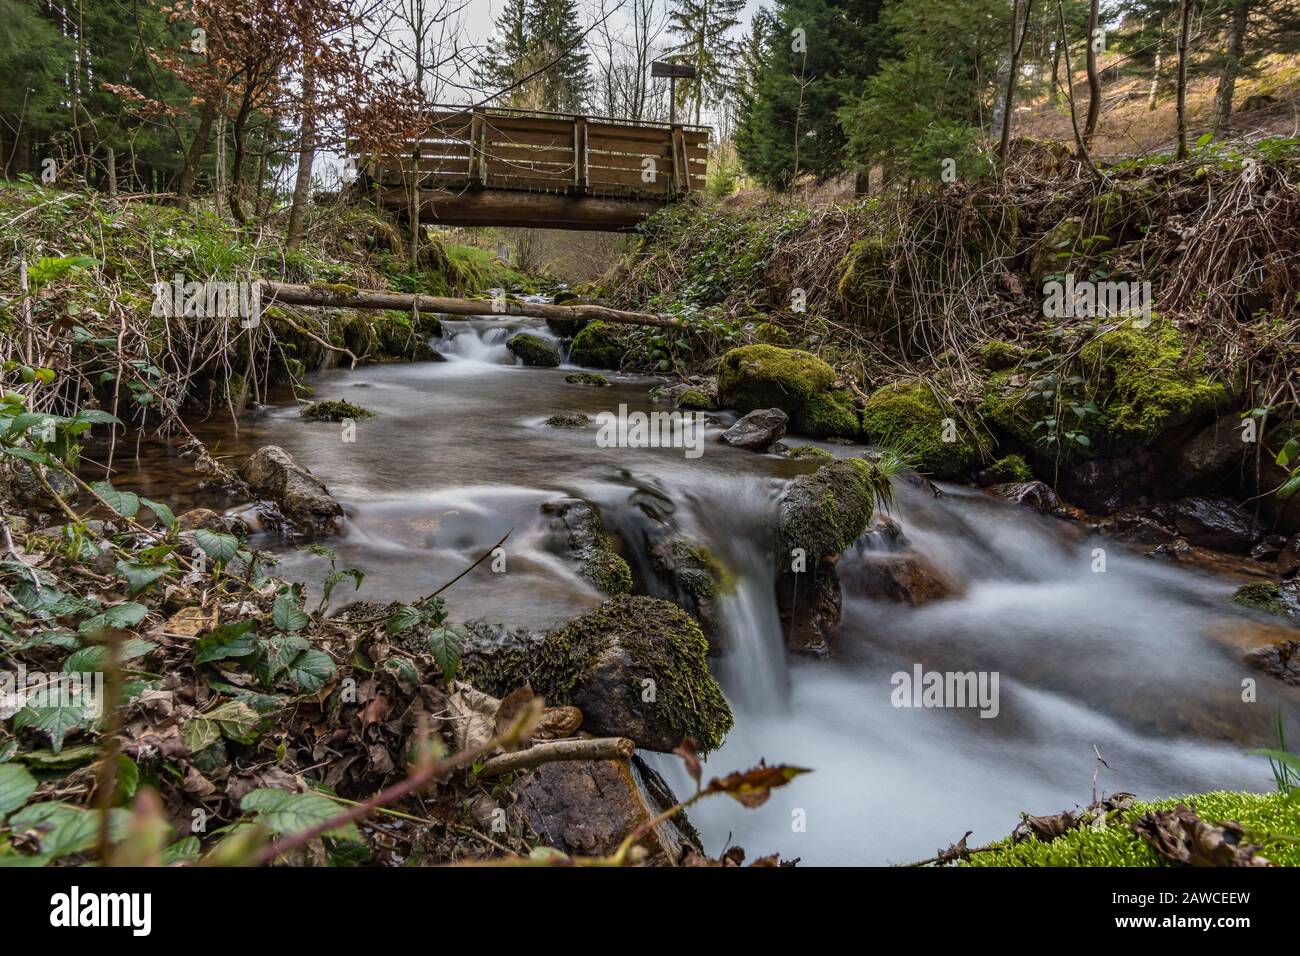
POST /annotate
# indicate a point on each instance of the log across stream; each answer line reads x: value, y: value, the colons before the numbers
x: 1133, y: 661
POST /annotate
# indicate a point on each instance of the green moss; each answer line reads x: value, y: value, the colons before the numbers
x: 764, y: 376
x: 599, y: 345
x: 698, y: 399
x: 335, y: 288
x: 1146, y: 380
x: 699, y: 572
x: 1261, y: 596
x: 906, y: 416
x: 587, y: 378
x: 1013, y: 467
x: 824, y: 512
x: 864, y: 285
x: 662, y: 643
x: 334, y: 410
x: 771, y: 334
x: 827, y: 415
x: 800, y: 452
x: 1265, y: 816
x: 534, y: 350
x: 998, y: 354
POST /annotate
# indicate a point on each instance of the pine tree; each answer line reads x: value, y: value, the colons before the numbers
x: 703, y: 28
x: 816, y: 54
x: 542, y: 37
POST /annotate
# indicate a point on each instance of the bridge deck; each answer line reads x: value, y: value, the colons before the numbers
x: 542, y: 169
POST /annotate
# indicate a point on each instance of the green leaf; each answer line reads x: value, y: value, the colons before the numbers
x: 285, y: 813
x: 128, y: 778
x: 1289, y: 487
x: 219, y: 547
x: 95, y: 658
x: 16, y: 785
x: 277, y: 654
x: 65, y: 759
x: 183, y: 850
x: 125, y: 503
x: 235, y: 639
x: 1290, y: 451
x: 404, y: 618
x: 55, y: 722
x: 233, y: 720
x: 140, y: 576
x: 25, y: 455
x: 311, y: 670
x: 287, y: 615
x: 97, y: 416
x: 125, y: 615
x: 160, y: 511
x: 445, y: 646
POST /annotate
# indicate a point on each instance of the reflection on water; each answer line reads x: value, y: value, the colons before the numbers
x: 1127, y: 660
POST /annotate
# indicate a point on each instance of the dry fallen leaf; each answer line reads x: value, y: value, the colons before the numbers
x: 1180, y: 836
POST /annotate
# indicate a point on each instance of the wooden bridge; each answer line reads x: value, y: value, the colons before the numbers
x: 506, y: 167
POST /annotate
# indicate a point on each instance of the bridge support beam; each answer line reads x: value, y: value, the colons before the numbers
x: 499, y: 207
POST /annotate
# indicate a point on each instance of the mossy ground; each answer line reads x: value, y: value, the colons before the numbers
x: 827, y: 415
x: 594, y: 379
x: 1270, y: 819
x: 907, y: 417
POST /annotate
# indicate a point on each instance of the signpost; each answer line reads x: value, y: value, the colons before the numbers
x: 674, y: 72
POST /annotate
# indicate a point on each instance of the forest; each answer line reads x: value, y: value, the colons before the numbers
x: 453, y: 434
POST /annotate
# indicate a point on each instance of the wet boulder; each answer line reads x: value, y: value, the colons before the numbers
x: 23, y: 480
x: 301, y: 497
x: 588, y: 808
x: 903, y: 577
x: 1211, y: 522
x: 1108, y: 485
x: 757, y: 430
x: 828, y: 415
x: 907, y: 415
x: 577, y: 533
x: 635, y: 666
x: 1279, y: 661
x: 1032, y: 494
x: 1288, y: 560
x: 693, y: 577
x: 208, y: 520
x: 593, y: 379
x: 567, y: 420
x: 533, y: 350
x: 1209, y: 453
x: 1269, y: 597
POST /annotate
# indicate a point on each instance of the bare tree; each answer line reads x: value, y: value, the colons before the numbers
x: 1094, y: 75
x: 1017, y: 44
x: 1184, y: 31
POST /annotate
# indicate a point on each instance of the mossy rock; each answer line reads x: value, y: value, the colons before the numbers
x: 599, y: 345
x: 1146, y: 381
x: 1261, y: 596
x: 827, y: 415
x: 566, y: 328
x: 998, y: 354
x: 584, y: 541
x: 824, y: 512
x: 636, y: 667
x: 764, y: 376
x: 865, y: 284
x: 594, y: 379
x: 334, y: 410
x: 1270, y: 818
x: 568, y: 420
x: 1008, y: 469
x: 1054, y: 251
x: 698, y: 399
x: 533, y: 350
x: 809, y: 452
x: 906, y: 416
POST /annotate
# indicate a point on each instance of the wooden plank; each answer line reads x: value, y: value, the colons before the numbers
x: 611, y: 161
x: 580, y: 174
x: 636, y: 134
x: 624, y: 147
x: 515, y: 124
x: 628, y: 177
x: 475, y: 166
x: 538, y: 154
x: 510, y: 138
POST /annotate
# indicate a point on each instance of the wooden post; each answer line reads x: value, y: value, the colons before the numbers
x: 475, y: 150
x: 112, y: 171
x: 681, y: 182
x: 580, y: 179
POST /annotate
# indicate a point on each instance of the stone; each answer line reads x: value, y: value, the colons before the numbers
x: 1032, y: 494
x: 1213, y: 522
x: 757, y: 430
x: 901, y: 577
x: 533, y: 350
x: 302, y: 497
x: 576, y: 532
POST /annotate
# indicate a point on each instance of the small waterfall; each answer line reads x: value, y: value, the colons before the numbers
x: 483, y: 341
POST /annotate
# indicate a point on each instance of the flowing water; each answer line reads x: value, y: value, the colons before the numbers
x: 1137, y: 661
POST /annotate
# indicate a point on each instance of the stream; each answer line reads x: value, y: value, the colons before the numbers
x: 1138, y: 661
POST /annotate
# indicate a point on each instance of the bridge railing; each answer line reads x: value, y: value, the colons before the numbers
x: 499, y: 148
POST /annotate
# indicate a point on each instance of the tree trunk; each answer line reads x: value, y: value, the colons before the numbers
x: 306, y: 148
x: 1017, y: 44
x: 1155, y: 82
x: 189, y: 172
x: 238, y: 130
x: 1236, y: 47
x: 1184, y: 30
x: 1094, y: 77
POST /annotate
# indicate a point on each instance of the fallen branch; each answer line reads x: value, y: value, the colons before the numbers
x: 549, y: 751
x: 343, y: 297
